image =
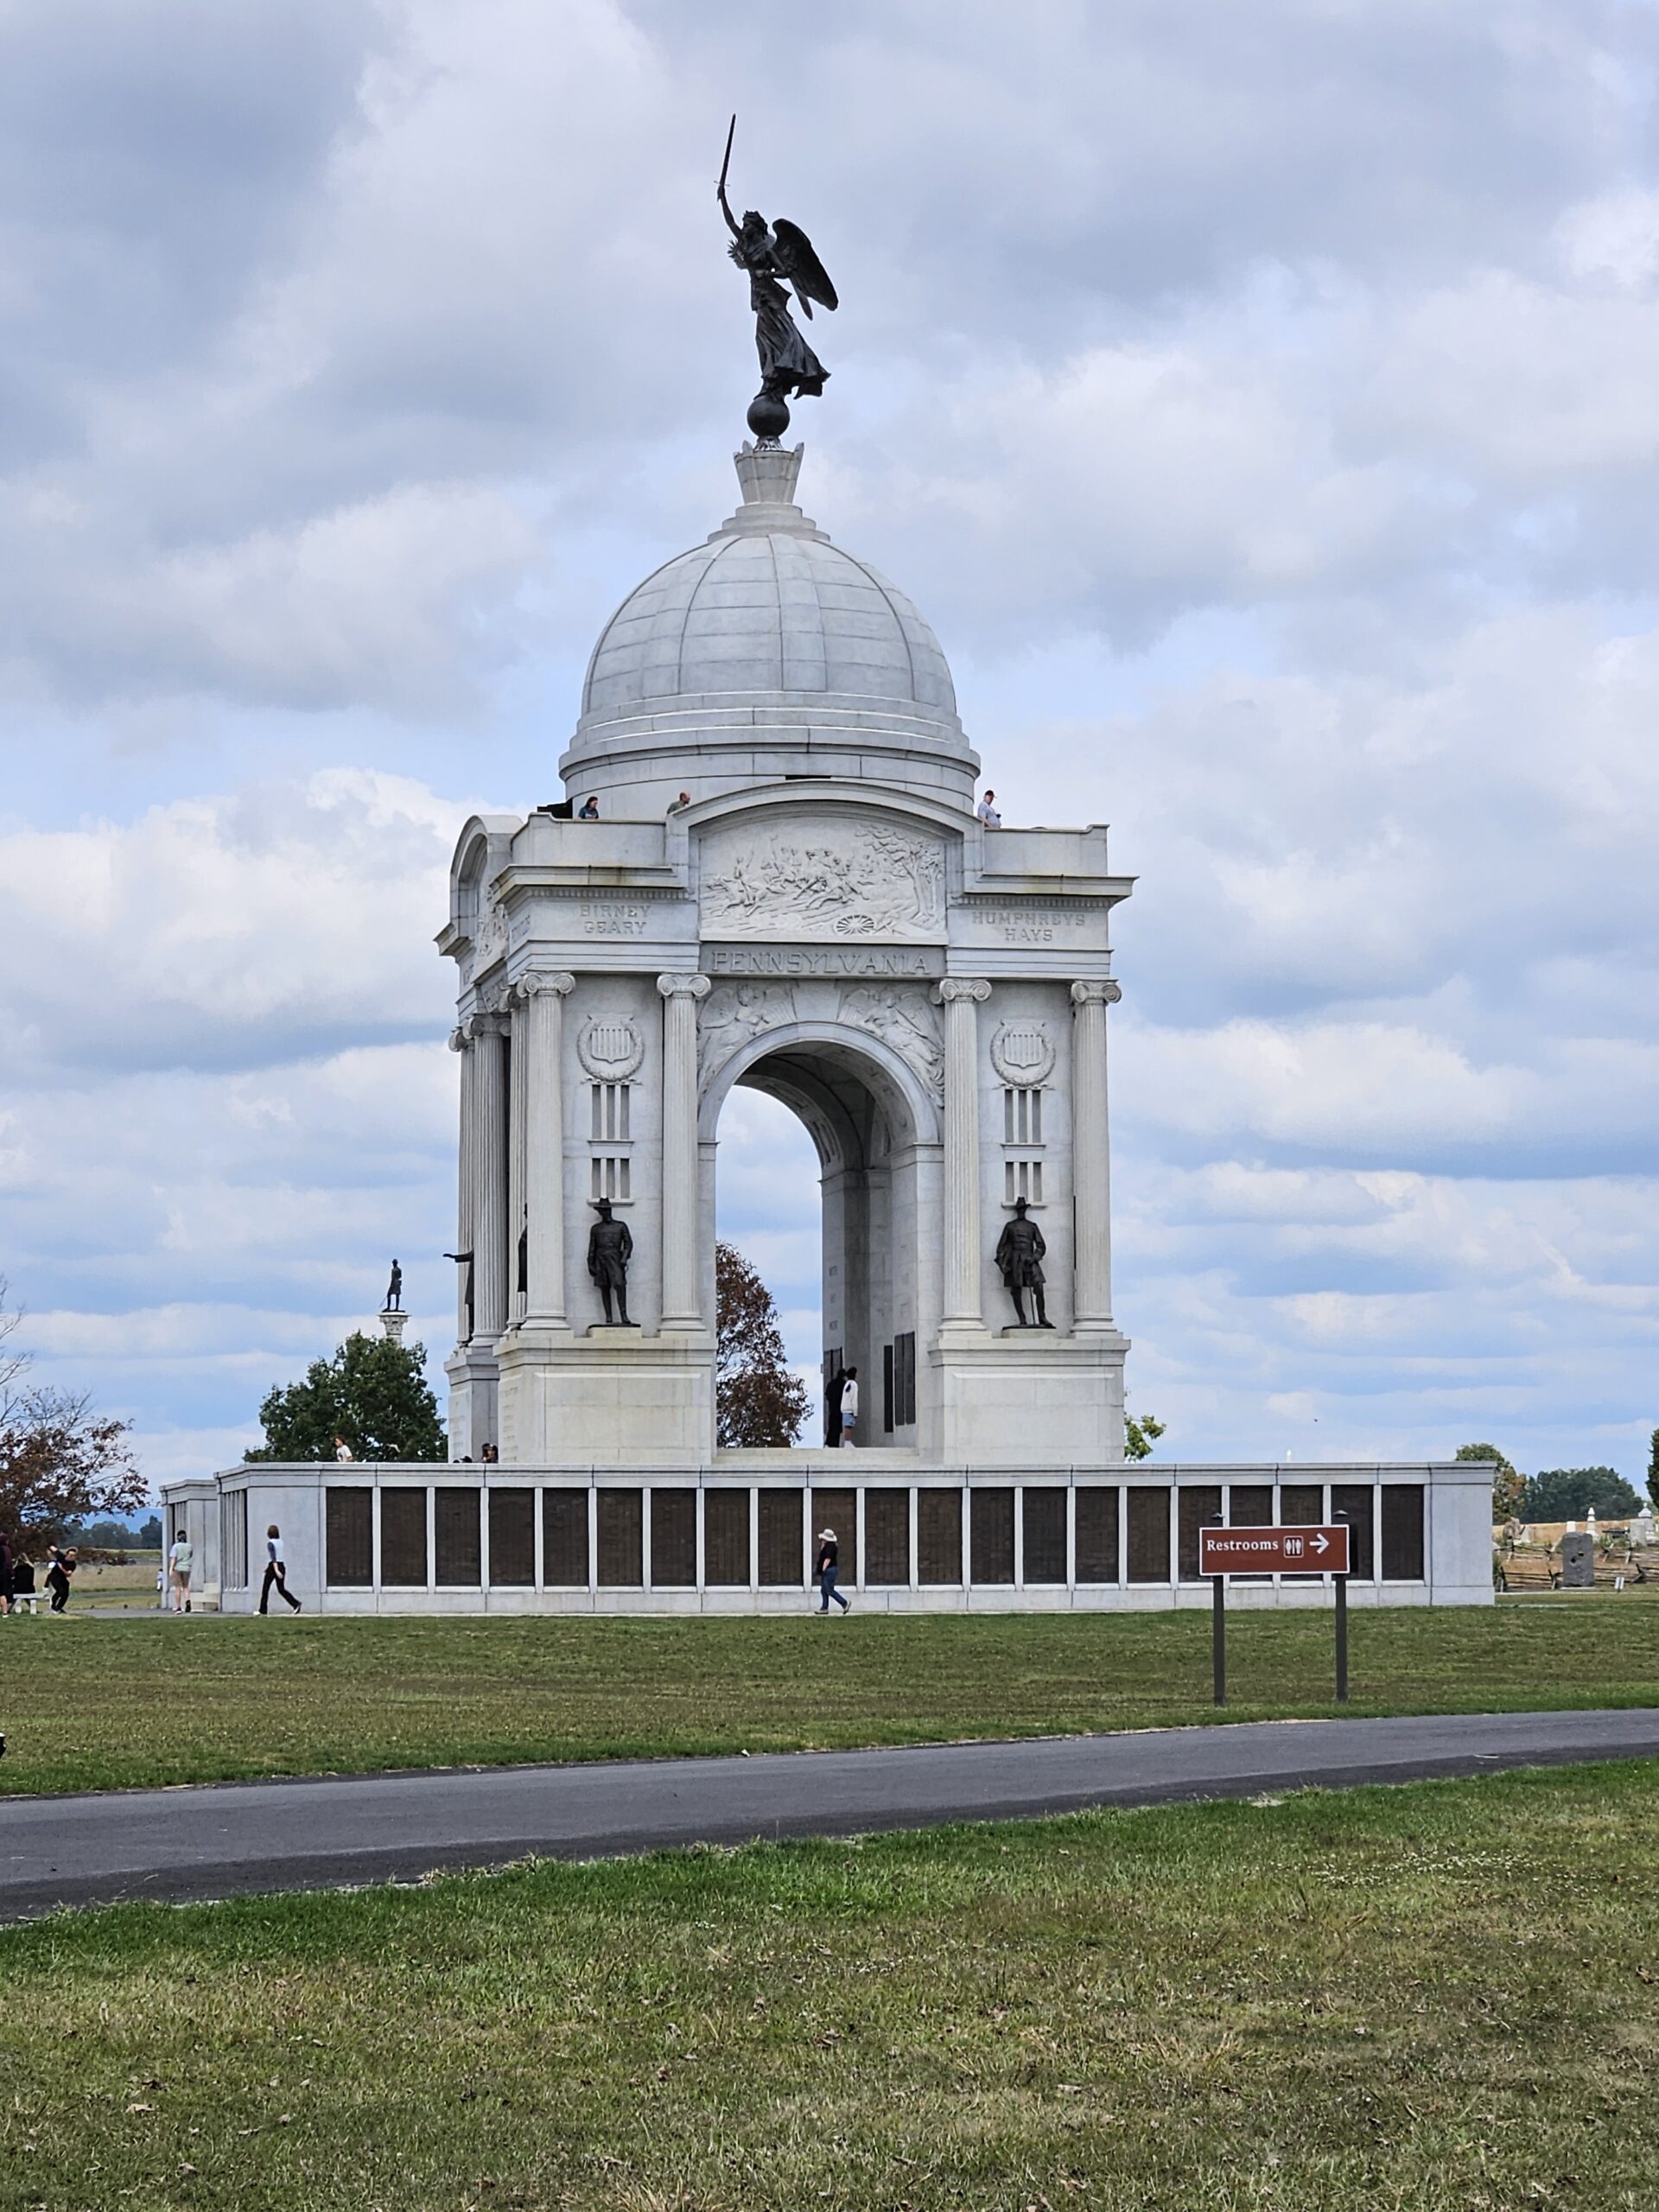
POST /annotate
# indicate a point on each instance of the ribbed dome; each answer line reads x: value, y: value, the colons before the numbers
x: 765, y: 652
x: 778, y: 610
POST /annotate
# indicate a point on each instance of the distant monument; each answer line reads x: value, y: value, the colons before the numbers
x: 393, y: 1316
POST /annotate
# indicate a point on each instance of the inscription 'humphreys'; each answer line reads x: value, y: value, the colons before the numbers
x: 865, y: 882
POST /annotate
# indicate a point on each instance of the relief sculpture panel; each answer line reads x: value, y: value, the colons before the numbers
x: 823, y: 879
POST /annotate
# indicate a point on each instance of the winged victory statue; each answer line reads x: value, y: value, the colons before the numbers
x: 778, y: 257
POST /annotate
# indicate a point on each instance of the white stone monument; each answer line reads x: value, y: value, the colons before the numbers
x: 825, y: 920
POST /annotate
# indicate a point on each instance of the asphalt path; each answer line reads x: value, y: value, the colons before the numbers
x: 218, y: 1840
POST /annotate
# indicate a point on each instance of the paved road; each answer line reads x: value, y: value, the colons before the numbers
x: 212, y: 1841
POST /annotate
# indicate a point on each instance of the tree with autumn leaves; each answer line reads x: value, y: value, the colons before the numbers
x: 757, y: 1401
x: 61, y: 1463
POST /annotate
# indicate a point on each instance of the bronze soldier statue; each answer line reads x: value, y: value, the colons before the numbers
x: 395, y: 1289
x: 1020, y: 1252
x: 610, y: 1247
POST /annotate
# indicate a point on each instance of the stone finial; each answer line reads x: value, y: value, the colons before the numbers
x: 768, y: 475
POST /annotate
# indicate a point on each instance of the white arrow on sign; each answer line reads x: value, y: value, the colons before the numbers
x: 1321, y: 1542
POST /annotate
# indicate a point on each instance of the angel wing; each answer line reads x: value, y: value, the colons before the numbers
x: 802, y: 268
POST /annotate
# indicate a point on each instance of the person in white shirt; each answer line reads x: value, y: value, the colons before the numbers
x: 849, y: 1410
x: 180, y: 1560
x: 342, y: 1449
x: 987, y: 811
x: 275, y: 1571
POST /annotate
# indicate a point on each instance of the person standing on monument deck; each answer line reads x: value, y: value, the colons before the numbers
x: 828, y: 1569
x: 832, y: 1397
x: 849, y: 1410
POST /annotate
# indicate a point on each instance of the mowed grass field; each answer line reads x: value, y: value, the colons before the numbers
x: 92, y: 1704
x: 1442, y: 1995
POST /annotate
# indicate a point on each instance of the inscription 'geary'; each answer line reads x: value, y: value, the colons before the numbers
x: 612, y: 918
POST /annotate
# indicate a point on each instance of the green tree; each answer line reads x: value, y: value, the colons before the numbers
x: 1653, y: 1468
x: 758, y: 1401
x: 372, y: 1394
x: 1509, y: 1488
x: 1139, y: 1436
x: 1568, y: 1493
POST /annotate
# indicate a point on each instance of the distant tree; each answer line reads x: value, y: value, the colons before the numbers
x: 1653, y: 1468
x: 372, y: 1394
x: 757, y: 1401
x: 150, y: 1536
x: 1508, y: 1489
x: 1139, y: 1436
x: 59, y: 1462
x: 1568, y: 1493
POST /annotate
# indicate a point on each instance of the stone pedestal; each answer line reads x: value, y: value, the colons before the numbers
x: 393, y: 1323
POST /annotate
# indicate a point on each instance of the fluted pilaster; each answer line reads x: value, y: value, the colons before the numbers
x: 962, y: 996
x: 1091, y: 1173
x: 539, y: 1043
x: 486, y: 1034
x: 681, y: 1273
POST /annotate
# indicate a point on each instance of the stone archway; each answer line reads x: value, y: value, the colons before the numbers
x: 874, y: 1125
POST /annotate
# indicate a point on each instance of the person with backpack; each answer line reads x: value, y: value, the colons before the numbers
x: 275, y: 1572
x: 828, y: 1569
x: 61, y: 1566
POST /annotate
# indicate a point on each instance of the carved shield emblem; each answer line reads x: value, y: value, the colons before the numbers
x: 1022, y: 1052
x: 610, y: 1049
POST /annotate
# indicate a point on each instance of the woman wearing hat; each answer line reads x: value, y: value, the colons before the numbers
x: 827, y: 1569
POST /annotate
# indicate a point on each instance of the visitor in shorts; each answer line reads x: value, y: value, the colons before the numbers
x: 275, y: 1571
x: 849, y: 1409
x: 180, y: 1560
x: 828, y: 1569
x: 62, y: 1565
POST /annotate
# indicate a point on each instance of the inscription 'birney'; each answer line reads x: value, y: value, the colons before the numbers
x: 612, y: 918
x: 822, y: 960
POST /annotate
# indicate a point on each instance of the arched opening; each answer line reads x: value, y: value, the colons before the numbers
x: 767, y: 1206
x: 860, y: 1115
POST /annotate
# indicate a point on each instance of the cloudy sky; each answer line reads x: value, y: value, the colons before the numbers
x: 1263, y: 403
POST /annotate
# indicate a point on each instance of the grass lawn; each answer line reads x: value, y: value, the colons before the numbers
x: 106, y: 1704
x: 1442, y: 1995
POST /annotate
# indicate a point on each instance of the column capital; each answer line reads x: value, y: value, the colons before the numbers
x: 557, y: 980
x: 954, y: 989
x: 486, y: 1024
x: 1104, y: 992
x: 687, y: 986
x: 457, y: 1039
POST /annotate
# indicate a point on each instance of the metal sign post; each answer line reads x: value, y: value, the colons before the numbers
x: 1342, y: 1615
x: 1219, y: 1632
x: 1224, y: 1551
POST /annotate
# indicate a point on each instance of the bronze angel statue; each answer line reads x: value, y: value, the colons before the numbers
x: 778, y: 256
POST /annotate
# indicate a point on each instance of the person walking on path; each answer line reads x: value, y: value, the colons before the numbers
x: 63, y: 1564
x: 849, y: 1409
x: 275, y: 1572
x: 180, y: 1560
x: 828, y: 1570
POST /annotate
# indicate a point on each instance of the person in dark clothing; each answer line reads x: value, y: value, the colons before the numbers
x: 275, y: 1572
x: 63, y: 1564
x: 828, y: 1569
x: 5, y: 1576
x: 836, y: 1384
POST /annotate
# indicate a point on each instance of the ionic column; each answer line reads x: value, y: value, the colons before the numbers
x: 488, y: 1034
x: 962, y: 996
x: 681, y: 1309
x: 516, y: 1161
x: 540, y: 1037
x: 459, y: 1043
x: 1091, y: 1167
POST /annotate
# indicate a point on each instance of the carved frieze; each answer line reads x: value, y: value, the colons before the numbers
x: 823, y: 878
x: 733, y: 1014
x: 906, y: 1021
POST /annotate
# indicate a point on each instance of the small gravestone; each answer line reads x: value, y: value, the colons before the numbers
x: 1577, y: 1561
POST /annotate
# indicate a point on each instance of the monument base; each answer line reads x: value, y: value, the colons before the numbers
x: 1029, y: 1393
x: 612, y: 1396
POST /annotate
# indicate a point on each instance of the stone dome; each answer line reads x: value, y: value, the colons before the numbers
x: 766, y: 652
